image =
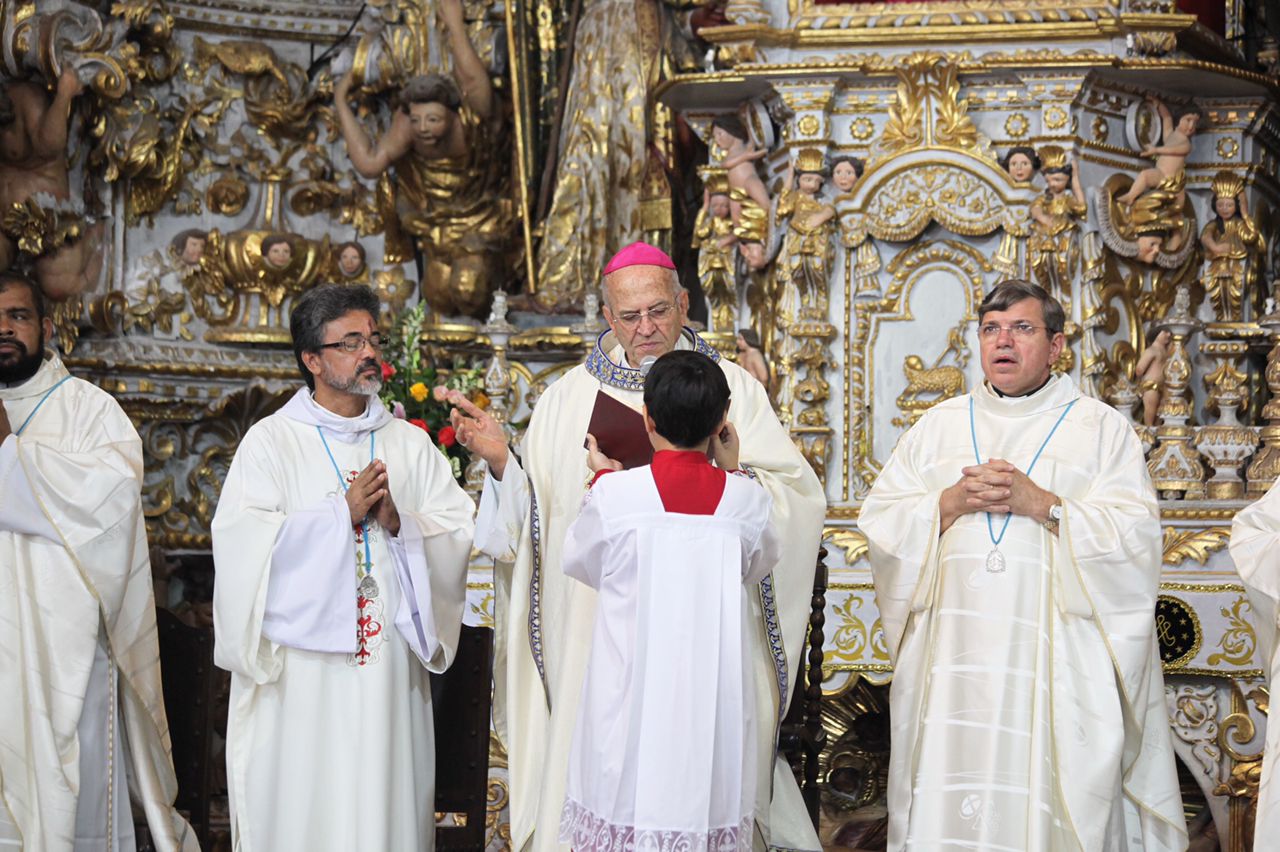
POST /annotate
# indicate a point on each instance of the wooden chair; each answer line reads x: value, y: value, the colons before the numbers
x: 462, y: 698
x: 802, y: 737
x: 190, y: 691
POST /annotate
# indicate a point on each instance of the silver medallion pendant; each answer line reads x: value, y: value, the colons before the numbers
x: 995, y: 561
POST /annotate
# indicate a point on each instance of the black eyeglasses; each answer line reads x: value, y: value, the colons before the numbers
x: 356, y: 342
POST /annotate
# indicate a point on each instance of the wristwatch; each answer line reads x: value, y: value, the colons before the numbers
x: 1055, y: 515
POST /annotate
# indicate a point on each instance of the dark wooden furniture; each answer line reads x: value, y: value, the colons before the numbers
x: 802, y: 736
x: 462, y: 697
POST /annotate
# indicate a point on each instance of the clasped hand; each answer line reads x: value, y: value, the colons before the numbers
x: 369, y: 495
x: 997, y: 487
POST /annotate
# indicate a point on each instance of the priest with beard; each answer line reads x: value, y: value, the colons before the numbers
x: 82, y: 720
x: 340, y: 545
x: 545, y: 619
x: 1015, y: 547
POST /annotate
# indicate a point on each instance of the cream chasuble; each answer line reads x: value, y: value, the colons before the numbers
x: 80, y: 697
x: 544, y: 621
x: 1028, y: 706
x: 1255, y: 548
x: 329, y: 632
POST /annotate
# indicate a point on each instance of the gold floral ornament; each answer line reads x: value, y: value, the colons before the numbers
x: 40, y: 225
x: 1016, y: 125
x: 227, y: 195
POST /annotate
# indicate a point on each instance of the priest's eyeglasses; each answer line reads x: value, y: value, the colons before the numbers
x: 353, y: 343
x: 657, y: 313
x: 991, y: 330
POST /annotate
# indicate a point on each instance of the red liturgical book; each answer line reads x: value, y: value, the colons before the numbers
x: 619, y: 431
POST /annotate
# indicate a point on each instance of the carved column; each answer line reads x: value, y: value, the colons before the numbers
x: 1174, y: 464
x: 1265, y: 467
x: 804, y: 331
x: 1227, y: 443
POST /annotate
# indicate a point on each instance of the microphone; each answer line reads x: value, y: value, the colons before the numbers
x: 646, y: 364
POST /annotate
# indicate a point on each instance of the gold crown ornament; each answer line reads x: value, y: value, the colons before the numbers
x: 810, y: 160
x: 1052, y: 157
x: 1227, y: 184
x: 714, y: 179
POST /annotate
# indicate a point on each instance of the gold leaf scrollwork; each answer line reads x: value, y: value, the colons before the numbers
x: 1238, y: 641
x: 852, y: 542
x: 928, y: 108
x: 1246, y: 769
x: 1197, y: 545
x: 849, y: 641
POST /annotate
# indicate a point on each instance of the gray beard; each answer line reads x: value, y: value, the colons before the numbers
x: 351, y: 384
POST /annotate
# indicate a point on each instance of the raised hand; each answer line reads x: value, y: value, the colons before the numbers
x: 479, y: 433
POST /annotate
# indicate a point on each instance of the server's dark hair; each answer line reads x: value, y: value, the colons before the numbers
x: 686, y: 394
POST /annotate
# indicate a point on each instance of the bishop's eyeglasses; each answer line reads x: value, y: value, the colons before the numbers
x: 355, y: 342
x: 657, y: 313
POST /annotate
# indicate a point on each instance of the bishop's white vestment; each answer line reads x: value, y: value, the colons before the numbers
x: 1255, y: 549
x: 545, y: 619
x: 1028, y: 706
x: 81, y: 709
x: 664, y: 750
x: 329, y: 631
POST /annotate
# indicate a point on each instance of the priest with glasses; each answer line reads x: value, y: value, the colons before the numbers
x: 341, y: 543
x: 1015, y: 546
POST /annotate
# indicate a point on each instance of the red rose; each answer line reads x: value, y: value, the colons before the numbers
x: 387, y: 371
x: 422, y: 424
x: 447, y: 436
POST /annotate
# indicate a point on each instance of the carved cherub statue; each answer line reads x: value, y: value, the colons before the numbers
x: 187, y: 247
x: 739, y: 163
x: 808, y: 246
x: 277, y: 251
x: 155, y: 288
x: 347, y: 263
x: 1150, y: 372
x: 1021, y: 162
x: 42, y: 217
x: 1154, y: 230
x: 1055, y: 227
x: 443, y: 145
x: 1171, y: 154
x: 714, y: 239
x: 1233, y: 248
x: 845, y: 173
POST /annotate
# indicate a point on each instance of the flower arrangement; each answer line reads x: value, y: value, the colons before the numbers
x: 414, y: 389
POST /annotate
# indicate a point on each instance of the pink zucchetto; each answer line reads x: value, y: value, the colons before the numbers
x: 639, y: 254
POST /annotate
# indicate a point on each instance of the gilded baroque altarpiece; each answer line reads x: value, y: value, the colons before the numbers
x: 214, y: 121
